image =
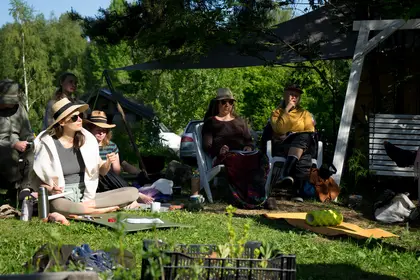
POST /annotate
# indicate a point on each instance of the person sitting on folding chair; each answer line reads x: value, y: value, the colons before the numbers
x: 293, y: 129
x: 226, y: 137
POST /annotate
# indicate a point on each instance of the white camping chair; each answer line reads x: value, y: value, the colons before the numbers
x: 272, y: 160
x: 205, y: 163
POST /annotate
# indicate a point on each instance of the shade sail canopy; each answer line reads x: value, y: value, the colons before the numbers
x: 318, y: 35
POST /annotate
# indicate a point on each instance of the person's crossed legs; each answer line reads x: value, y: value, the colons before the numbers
x: 104, y: 202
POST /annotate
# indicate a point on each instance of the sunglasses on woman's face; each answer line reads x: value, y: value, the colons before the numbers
x: 74, y: 118
x: 223, y: 102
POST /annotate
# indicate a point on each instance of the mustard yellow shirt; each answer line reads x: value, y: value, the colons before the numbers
x: 297, y: 120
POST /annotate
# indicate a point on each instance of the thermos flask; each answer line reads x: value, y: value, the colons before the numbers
x: 43, y: 205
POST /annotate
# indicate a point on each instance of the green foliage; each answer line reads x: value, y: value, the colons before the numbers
x: 234, y: 248
x: 177, y: 96
x: 193, y: 27
x: 50, y: 48
x: 357, y: 165
x: 376, y: 9
x: 339, y: 256
x: 262, y: 91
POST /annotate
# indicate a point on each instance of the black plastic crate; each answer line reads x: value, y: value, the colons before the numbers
x: 186, y: 258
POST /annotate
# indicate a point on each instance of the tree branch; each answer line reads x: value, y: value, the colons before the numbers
x: 307, y: 58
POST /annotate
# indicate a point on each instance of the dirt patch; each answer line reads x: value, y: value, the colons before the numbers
x: 362, y: 217
x: 350, y: 215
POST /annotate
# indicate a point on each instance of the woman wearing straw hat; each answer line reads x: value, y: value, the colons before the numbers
x: 67, y: 160
x: 226, y: 137
x: 98, y: 125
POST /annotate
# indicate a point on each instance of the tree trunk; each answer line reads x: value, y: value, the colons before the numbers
x: 24, y: 73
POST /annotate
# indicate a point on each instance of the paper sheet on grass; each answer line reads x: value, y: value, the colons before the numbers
x: 298, y: 220
x: 143, y: 221
x: 130, y: 227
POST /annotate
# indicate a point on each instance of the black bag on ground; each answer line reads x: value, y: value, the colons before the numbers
x: 111, y: 181
x: 50, y: 257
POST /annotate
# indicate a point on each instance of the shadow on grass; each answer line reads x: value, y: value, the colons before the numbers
x: 336, y: 271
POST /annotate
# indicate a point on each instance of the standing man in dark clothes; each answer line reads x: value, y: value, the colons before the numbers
x: 15, y: 137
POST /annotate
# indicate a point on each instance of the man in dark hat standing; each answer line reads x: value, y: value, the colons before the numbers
x: 16, y: 155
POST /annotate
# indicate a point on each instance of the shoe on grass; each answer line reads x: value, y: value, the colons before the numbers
x: 271, y: 203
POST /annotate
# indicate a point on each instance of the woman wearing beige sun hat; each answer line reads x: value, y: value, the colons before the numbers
x: 97, y: 124
x: 67, y: 160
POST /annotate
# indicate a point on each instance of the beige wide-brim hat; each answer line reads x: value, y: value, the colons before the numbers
x: 98, y: 118
x: 224, y: 93
x: 63, y: 108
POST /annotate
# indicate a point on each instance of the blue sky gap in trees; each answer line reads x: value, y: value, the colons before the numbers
x: 56, y: 7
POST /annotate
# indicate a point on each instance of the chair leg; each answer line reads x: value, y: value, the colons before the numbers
x: 206, y: 186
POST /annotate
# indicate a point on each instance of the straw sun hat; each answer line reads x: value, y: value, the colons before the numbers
x: 63, y: 107
x: 224, y: 93
x: 98, y: 118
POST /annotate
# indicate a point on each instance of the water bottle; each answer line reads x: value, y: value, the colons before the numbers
x: 43, y: 205
x: 27, y: 209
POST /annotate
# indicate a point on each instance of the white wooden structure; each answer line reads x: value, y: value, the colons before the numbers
x: 402, y: 131
x: 363, y: 46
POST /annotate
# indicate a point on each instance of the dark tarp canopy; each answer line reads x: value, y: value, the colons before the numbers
x: 325, y: 33
x: 134, y: 107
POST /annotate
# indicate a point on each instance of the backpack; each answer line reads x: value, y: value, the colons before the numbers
x: 325, y: 186
x: 110, y: 181
x: 50, y: 256
x: 397, y: 209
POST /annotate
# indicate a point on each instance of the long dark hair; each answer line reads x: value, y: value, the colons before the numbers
x: 213, y: 109
x: 59, y: 94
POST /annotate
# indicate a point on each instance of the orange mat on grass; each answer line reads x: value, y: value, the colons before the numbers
x: 298, y: 220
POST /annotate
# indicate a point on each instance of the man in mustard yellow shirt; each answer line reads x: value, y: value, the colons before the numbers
x: 293, y: 128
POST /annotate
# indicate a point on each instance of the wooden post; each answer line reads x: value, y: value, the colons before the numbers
x: 363, y: 47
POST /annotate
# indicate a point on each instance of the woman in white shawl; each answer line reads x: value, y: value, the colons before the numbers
x: 67, y: 160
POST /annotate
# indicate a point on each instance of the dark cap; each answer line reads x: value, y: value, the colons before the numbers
x: 294, y: 87
x: 9, y: 92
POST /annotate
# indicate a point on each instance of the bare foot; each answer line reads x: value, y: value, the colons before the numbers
x: 133, y: 205
x: 58, y: 218
x: 145, y: 198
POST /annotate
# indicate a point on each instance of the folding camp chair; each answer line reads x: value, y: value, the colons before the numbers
x: 205, y: 163
x: 272, y: 160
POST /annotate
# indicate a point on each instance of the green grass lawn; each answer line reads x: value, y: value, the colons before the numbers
x: 317, y: 257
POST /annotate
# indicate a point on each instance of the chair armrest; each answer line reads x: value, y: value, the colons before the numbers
x: 320, y: 153
x: 269, y: 152
x: 214, y: 171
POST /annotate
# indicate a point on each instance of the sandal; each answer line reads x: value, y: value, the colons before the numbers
x: 7, y: 211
